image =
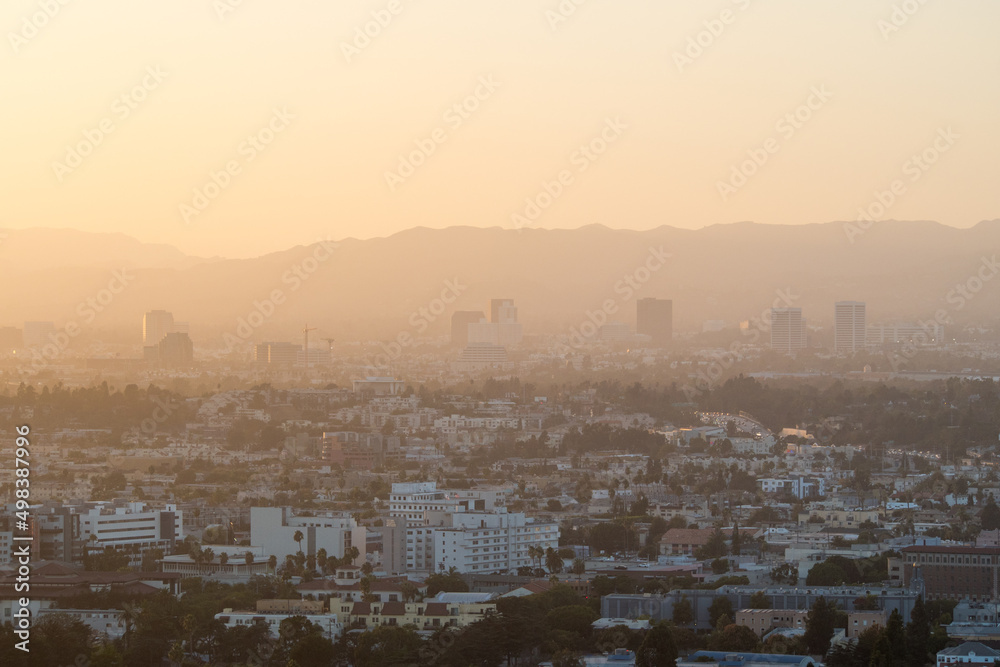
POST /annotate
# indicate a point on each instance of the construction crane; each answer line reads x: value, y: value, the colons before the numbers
x: 305, y: 349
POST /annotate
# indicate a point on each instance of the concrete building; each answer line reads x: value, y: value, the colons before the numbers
x: 968, y: 654
x: 800, y: 487
x: 660, y: 607
x: 762, y: 621
x: 616, y: 332
x: 906, y: 333
x: 379, y: 386
x: 175, y: 350
x: 495, y: 541
x: 503, y: 329
x: 954, y: 572
x: 460, y: 321
x: 788, y: 330
x: 850, y: 327
x: 735, y: 659
x: 131, y: 527
x: 276, y: 354
x: 155, y: 325
x: 684, y: 541
x: 274, y: 528
x: 859, y: 621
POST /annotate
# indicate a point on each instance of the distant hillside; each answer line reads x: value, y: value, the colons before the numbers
x: 375, y: 288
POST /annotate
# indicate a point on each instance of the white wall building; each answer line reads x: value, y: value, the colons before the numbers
x: 273, y: 530
x: 131, y: 525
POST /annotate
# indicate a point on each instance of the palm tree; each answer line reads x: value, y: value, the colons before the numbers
x: 536, y: 554
x: 127, y: 618
x: 272, y: 562
x: 198, y: 556
x: 321, y: 558
x: 209, y: 555
x: 223, y: 559
x: 408, y: 591
x: 248, y: 559
x: 579, y: 567
x: 351, y: 554
x: 553, y: 561
x: 298, y: 537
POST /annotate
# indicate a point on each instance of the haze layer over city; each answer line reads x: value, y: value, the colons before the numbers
x: 548, y: 332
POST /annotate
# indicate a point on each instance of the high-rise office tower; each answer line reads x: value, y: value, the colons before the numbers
x: 460, y: 322
x: 156, y: 324
x: 655, y: 318
x: 849, y: 326
x: 502, y: 310
x: 176, y: 349
x: 788, y: 329
x: 503, y: 329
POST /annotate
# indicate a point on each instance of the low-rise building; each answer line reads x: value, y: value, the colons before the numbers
x: 762, y: 621
x: 968, y: 654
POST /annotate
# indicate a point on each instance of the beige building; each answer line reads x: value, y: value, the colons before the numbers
x: 762, y: 621
x: 684, y: 541
x: 859, y: 621
x: 839, y: 518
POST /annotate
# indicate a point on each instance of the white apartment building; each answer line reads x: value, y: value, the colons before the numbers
x: 273, y: 529
x: 490, y: 542
x: 131, y: 525
x: 456, y: 422
x: 469, y: 530
x: 412, y: 500
x: 800, y: 487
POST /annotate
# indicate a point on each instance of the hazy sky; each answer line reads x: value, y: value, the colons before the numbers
x: 199, y: 80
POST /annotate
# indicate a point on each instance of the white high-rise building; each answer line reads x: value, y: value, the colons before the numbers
x: 503, y: 329
x: 788, y: 329
x: 469, y: 530
x: 850, y: 328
